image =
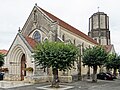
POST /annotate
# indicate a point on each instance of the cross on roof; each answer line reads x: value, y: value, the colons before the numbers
x: 98, y: 8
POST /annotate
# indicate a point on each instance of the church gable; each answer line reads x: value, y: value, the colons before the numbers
x: 36, y: 21
x: 42, y: 21
x: 25, y: 44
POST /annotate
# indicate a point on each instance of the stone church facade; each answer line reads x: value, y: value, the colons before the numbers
x: 40, y: 26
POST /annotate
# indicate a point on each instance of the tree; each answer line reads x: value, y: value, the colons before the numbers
x: 57, y: 55
x: 1, y: 60
x: 94, y: 57
x: 113, y: 61
x: 116, y: 64
x: 109, y: 61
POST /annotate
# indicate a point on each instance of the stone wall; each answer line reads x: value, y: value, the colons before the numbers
x: 12, y: 77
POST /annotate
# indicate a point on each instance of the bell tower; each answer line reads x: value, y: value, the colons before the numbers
x: 99, y: 28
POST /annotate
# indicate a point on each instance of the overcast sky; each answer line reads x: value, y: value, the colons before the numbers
x: 14, y: 13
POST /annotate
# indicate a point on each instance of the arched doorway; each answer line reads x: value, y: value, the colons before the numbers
x: 23, y: 66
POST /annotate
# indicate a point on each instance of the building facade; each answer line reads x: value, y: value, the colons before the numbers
x: 40, y: 26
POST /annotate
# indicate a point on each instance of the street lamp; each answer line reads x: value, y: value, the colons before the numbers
x: 79, y: 62
x: 81, y: 50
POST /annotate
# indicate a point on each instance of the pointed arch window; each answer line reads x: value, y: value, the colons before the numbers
x: 45, y: 39
x: 37, y: 36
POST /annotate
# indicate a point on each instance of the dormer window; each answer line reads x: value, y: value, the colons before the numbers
x: 37, y: 36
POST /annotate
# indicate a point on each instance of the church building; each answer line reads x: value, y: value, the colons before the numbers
x: 40, y: 26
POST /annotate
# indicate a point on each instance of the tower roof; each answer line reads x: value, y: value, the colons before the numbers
x: 98, y: 13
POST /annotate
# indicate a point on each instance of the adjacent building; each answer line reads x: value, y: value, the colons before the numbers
x: 3, y: 51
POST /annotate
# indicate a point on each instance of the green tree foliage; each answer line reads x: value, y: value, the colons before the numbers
x: 113, y: 61
x: 94, y: 57
x: 1, y: 60
x: 57, y: 55
x: 109, y: 63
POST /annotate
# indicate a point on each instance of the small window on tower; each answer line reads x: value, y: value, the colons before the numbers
x: 102, y: 33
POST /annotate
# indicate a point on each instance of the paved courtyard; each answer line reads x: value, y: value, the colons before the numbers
x: 79, y: 85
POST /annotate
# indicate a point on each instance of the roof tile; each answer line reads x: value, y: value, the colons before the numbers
x: 31, y: 41
x: 108, y: 47
x: 3, y: 51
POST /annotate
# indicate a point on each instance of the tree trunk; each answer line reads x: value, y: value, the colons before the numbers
x: 55, y: 82
x: 88, y: 72
x: 119, y: 70
x: 94, y: 78
x: 114, y: 72
x: 101, y: 69
x: 107, y: 70
x: 79, y: 75
x: 79, y: 70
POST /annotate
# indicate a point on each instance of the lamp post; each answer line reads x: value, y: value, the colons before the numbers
x: 79, y: 62
x: 88, y: 72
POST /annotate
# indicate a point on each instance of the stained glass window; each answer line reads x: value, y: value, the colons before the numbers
x: 37, y: 36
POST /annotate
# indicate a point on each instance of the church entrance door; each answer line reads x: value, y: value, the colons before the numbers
x: 23, y: 66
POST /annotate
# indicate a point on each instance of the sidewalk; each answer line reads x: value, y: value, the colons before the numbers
x: 12, y: 84
x: 77, y: 85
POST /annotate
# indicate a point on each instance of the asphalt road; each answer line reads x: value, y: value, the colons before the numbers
x: 79, y: 85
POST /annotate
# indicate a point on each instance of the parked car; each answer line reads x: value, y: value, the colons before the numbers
x: 114, y: 77
x: 1, y: 76
x: 104, y: 76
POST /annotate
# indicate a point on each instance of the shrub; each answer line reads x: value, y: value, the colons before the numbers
x: 30, y: 69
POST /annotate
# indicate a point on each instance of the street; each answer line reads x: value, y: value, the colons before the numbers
x: 79, y: 85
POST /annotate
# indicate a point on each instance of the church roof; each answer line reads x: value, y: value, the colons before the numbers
x: 3, y: 51
x: 68, y: 27
x: 31, y: 41
x: 108, y: 48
